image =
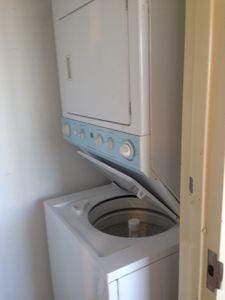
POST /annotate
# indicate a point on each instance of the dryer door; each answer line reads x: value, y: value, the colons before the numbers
x: 93, y: 61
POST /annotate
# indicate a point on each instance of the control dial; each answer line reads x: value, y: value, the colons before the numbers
x: 66, y: 129
x: 99, y: 140
x: 127, y: 150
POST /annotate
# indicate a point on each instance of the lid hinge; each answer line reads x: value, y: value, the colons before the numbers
x: 141, y: 194
x: 214, y: 272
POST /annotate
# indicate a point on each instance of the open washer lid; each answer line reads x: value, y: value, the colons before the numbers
x: 169, y: 204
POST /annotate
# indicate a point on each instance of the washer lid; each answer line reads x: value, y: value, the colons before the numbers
x: 170, y: 205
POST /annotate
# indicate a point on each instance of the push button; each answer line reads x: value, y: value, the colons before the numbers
x: 110, y: 144
x: 66, y: 130
x: 82, y: 135
x: 99, y: 140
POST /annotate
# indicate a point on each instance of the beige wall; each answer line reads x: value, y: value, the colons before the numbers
x: 35, y: 162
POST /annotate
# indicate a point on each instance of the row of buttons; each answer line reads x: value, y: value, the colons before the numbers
x: 100, y: 141
x: 126, y: 149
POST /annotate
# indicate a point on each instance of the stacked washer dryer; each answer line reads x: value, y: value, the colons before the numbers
x: 120, y: 71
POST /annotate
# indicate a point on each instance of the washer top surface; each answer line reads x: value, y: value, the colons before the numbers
x: 78, y: 210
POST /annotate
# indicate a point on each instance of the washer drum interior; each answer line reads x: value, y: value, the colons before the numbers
x: 129, y: 217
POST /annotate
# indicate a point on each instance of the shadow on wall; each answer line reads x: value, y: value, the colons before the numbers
x: 36, y: 220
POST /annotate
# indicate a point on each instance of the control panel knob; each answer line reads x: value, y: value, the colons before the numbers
x: 66, y: 129
x: 110, y: 143
x: 99, y: 140
x: 127, y: 150
x: 82, y: 134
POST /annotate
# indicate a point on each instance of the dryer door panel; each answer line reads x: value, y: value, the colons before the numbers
x: 93, y: 60
x: 113, y: 291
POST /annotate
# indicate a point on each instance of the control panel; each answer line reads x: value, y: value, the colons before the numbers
x: 116, y: 146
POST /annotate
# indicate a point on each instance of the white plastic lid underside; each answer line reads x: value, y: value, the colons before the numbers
x: 129, y: 184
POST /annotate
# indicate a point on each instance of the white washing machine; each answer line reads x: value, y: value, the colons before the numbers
x: 114, y: 242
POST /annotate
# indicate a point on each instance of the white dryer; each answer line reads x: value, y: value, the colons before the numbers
x: 114, y: 242
x: 120, y: 68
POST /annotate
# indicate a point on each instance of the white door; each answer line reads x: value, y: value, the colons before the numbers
x: 93, y: 60
x: 202, y: 226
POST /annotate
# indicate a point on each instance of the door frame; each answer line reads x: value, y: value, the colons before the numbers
x: 203, y: 147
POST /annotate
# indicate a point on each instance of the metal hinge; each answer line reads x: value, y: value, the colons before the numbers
x: 130, y: 108
x: 214, y: 272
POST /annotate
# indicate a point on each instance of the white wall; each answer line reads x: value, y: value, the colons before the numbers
x: 35, y: 162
